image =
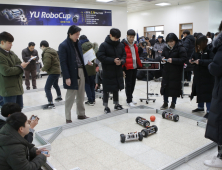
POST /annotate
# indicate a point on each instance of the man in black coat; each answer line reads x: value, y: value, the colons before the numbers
x: 189, y: 44
x: 176, y: 55
x: 214, y: 123
x: 112, y: 56
x: 74, y: 73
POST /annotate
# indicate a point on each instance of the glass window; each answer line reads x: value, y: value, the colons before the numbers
x: 159, y: 28
x: 150, y: 28
x: 187, y: 26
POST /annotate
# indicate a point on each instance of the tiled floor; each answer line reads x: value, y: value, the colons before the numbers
x: 108, y: 152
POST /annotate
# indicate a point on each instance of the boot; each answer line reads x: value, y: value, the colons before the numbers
x: 164, y: 106
x: 172, y: 106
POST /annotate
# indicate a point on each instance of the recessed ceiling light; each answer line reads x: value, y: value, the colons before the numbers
x: 163, y: 4
x: 104, y: 0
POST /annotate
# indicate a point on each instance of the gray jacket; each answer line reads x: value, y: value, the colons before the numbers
x: 158, y: 47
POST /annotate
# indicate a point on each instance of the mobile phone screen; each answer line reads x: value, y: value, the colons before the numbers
x: 45, y: 152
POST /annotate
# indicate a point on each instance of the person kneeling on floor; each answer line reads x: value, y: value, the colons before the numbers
x: 10, y: 108
x: 51, y: 64
x: 15, y: 151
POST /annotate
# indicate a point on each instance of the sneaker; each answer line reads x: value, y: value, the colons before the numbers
x: 94, y: 102
x: 107, y: 110
x: 134, y: 102
x: 198, y: 110
x: 58, y: 99
x: 172, y: 106
x: 131, y: 104
x: 118, y: 107
x: 215, y: 162
x: 48, y: 106
x: 164, y: 106
x: 27, y: 88
x: 89, y: 103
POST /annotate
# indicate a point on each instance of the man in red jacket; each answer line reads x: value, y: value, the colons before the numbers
x: 132, y: 63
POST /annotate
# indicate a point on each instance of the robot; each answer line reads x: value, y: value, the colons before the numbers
x: 149, y: 130
x: 171, y: 116
x: 142, y: 121
x: 131, y: 136
x: 75, y: 18
x: 13, y: 13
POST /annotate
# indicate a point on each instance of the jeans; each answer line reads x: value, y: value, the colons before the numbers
x: 90, y: 89
x: 52, y: 80
x: 1, y: 101
x: 165, y: 98
x: 106, y: 98
x: 130, y: 82
x: 201, y: 105
x: 14, y: 99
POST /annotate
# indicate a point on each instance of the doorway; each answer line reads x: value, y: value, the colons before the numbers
x: 153, y: 30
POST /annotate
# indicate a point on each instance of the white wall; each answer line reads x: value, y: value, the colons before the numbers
x: 56, y: 34
x: 171, y: 17
x: 215, y: 15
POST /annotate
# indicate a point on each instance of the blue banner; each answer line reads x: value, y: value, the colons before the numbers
x: 43, y: 15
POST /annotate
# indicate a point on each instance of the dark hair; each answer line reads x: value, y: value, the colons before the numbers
x: 216, y: 33
x: 202, y: 42
x: 154, y: 36
x: 209, y: 34
x: 131, y: 32
x: 5, y: 36
x: 10, y: 108
x: 196, y: 35
x: 44, y: 43
x: 186, y: 32
x: 73, y: 29
x: 220, y: 27
x: 115, y: 32
x: 147, y: 38
x: 171, y: 37
x: 31, y: 44
x: 17, y: 120
x: 82, y: 37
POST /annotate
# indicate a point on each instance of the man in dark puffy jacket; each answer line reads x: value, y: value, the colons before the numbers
x: 112, y: 56
x: 189, y: 44
x: 132, y: 63
x: 51, y: 64
x: 15, y: 151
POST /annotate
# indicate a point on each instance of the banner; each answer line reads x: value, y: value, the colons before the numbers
x: 42, y: 15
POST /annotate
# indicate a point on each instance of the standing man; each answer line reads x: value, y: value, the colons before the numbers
x: 132, y: 63
x: 11, y: 71
x: 51, y: 64
x: 152, y: 43
x: 74, y: 73
x: 28, y: 53
x: 189, y: 44
x: 112, y: 56
x: 159, y: 46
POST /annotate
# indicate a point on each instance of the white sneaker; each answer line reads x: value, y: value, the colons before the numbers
x: 215, y: 162
x: 134, y: 102
x: 131, y: 104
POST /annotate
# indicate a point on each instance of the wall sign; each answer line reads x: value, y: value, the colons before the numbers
x: 43, y: 15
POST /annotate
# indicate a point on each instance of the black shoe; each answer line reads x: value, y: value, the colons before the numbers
x: 172, y: 106
x: 206, y: 115
x: 48, y: 106
x: 27, y: 88
x: 34, y: 87
x: 164, y: 106
x: 107, y: 110
x: 89, y: 103
x: 118, y: 107
x: 58, y: 99
x: 198, y: 110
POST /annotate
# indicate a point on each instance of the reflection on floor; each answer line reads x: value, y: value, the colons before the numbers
x: 80, y: 140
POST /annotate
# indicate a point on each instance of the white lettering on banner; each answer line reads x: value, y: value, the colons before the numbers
x: 31, y: 13
x: 50, y: 15
x: 43, y: 14
x: 60, y: 14
x: 34, y: 14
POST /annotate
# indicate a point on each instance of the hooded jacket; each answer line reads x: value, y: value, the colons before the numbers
x: 50, y: 61
x: 159, y: 47
x: 112, y: 73
x: 214, y: 123
x: 16, y: 153
x: 131, y: 62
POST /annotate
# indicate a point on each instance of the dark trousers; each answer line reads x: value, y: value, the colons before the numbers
x: 52, y: 80
x: 90, y: 89
x: 106, y: 98
x: 33, y: 74
x: 130, y: 81
x: 187, y: 75
x: 14, y: 99
x: 153, y: 54
x: 201, y: 105
x: 165, y: 98
x: 1, y: 101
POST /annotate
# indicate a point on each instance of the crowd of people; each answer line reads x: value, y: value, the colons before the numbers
x: 115, y: 61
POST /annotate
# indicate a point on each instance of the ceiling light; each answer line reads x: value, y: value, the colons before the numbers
x: 104, y: 0
x: 163, y: 4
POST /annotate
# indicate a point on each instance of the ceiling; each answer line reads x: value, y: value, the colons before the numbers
x: 132, y: 5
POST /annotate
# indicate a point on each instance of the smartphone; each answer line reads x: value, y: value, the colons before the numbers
x: 193, y: 60
x: 164, y: 59
x: 33, y: 117
x: 45, y: 152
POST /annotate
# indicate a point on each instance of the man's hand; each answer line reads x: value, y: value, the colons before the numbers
x: 38, y: 152
x: 90, y: 63
x: 159, y: 51
x: 117, y: 61
x: 163, y: 59
x: 68, y: 82
x: 24, y: 64
x: 124, y: 74
x: 190, y: 61
x: 169, y: 60
x: 34, y: 122
x: 196, y: 61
